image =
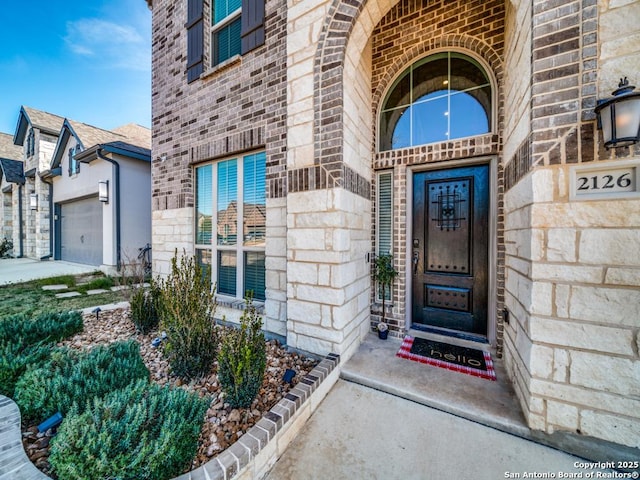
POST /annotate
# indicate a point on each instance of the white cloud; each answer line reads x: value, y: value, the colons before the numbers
x: 114, y: 45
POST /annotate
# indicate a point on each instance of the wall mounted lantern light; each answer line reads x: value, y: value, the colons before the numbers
x: 33, y: 201
x: 103, y: 191
x: 619, y: 116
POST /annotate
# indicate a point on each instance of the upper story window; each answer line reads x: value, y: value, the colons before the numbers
x: 31, y: 143
x: 237, y: 27
x: 225, y: 29
x: 74, y: 165
x: 439, y: 98
x: 231, y: 223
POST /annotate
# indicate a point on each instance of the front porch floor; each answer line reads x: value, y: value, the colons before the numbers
x: 483, y: 401
x: 488, y: 403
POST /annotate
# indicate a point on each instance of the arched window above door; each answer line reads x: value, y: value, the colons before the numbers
x: 438, y: 98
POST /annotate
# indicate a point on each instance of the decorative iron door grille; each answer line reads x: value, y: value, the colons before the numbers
x: 447, y: 202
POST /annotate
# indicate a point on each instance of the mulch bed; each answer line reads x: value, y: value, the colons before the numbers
x: 222, y: 425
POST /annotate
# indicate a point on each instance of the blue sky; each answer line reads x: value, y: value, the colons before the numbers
x: 87, y: 60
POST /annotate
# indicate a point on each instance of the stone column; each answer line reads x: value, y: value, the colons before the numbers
x: 328, y: 205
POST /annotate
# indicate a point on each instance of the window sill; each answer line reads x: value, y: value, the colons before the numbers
x: 221, y: 66
x: 238, y: 304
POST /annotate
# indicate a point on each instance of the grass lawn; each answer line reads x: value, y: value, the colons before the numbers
x: 29, y: 297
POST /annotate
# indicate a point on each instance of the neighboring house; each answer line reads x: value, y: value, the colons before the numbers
x: 460, y: 136
x: 106, y: 228
x: 12, y: 187
x: 52, y: 171
x: 37, y: 132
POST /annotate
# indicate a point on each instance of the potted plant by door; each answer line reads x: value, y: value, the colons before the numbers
x: 384, y: 274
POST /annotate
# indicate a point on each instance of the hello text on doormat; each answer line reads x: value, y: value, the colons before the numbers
x: 452, y: 357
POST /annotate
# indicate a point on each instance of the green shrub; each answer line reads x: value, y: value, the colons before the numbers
x: 15, y: 360
x: 242, y: 359
x: 186, y: 310
x: 72, y: 378
x: 144, y: 307
x: 6, y: 247
x: 25, y: 342
x: 47, y: 327
x: 143, y: 431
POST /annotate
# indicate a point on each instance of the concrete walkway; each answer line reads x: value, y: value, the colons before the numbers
x: 362, y: 433
x: 16, y: 270
x: 14, y: 464
x: 390, y: 418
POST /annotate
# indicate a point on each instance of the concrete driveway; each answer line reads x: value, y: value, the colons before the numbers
x: 16, y: 270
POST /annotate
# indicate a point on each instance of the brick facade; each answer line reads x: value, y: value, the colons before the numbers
x: 311, y: 98
x: 188, y: 124
x: 233, y: 108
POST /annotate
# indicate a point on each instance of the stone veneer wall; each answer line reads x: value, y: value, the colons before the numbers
x: 572, y: 343
x: 18, y: 190
x: 7, y: 213
x: 45, y: 146
x: 36, y: 223
x: 329, y: 171
x: 232, y: 108
x: 517, y: 93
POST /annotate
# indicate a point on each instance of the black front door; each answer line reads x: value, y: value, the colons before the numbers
x: 450, y: 250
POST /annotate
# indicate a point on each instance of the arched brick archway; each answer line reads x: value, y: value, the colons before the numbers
x: 348, y: 25
x: 347, y: 28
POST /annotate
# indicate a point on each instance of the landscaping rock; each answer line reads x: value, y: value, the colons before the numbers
x: 222, y: 426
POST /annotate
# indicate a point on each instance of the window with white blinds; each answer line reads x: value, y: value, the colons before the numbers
x: 385, y: 214
x: 384, y: 222
x: 226, y: 34
x: 204, y: 205
x: 231, y: 199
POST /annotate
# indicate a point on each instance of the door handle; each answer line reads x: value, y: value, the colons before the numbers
x: 416, y: 259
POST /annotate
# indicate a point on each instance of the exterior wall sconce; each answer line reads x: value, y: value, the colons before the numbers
x: 103, y: 191
x: 619, y: 116
x: 33, y: 201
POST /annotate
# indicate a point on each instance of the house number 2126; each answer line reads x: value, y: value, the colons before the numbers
x: 619, y: 182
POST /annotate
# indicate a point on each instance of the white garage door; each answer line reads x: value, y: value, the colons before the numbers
x: 81, y: 231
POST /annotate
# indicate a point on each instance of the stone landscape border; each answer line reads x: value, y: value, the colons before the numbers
x: 251, y: 457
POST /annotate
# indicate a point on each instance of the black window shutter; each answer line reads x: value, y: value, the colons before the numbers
x: 195, y: 40
x: 252, y: 24
x: 70, y: 161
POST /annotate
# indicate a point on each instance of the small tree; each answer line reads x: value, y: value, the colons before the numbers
x: 243, y: 359
x: 187, y: 306
x: 384, y: 274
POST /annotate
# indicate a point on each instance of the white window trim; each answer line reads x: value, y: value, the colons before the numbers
x: 226, y: 20
x: 215, y: 28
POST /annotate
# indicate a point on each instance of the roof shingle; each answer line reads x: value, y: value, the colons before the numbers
x: 12, y: 170
x: 44, y: 120
x: 8, y: 149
